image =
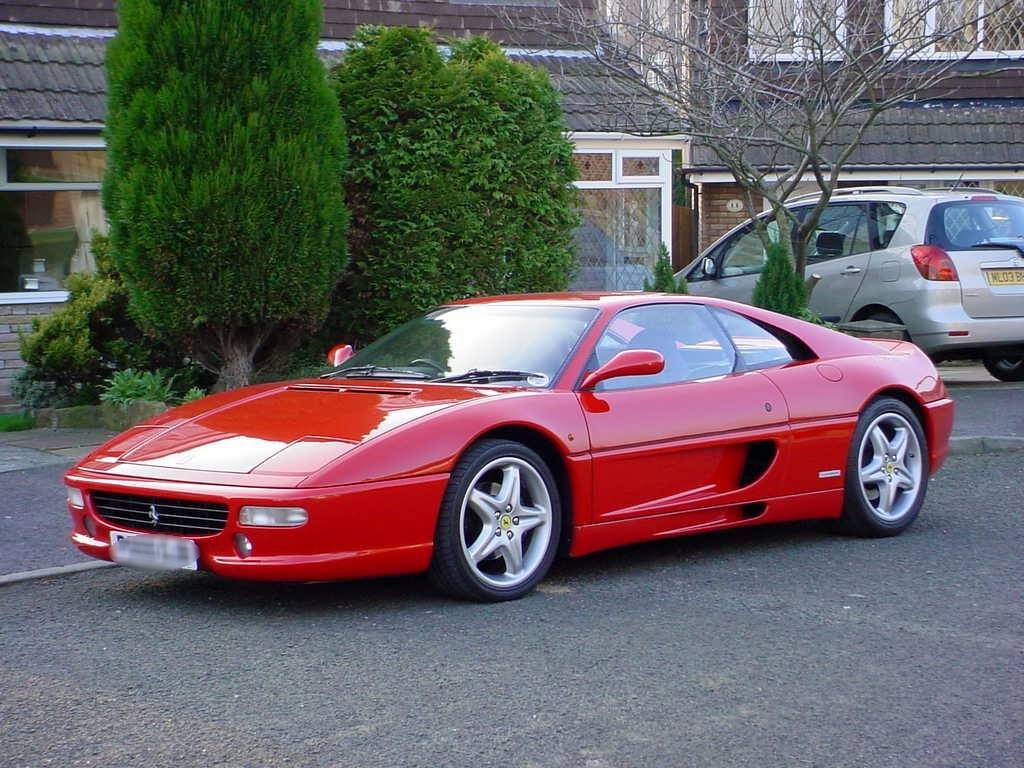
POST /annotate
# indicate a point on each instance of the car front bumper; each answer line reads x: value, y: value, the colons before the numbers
x: 357, y: 531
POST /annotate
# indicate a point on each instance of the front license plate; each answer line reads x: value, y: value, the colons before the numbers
x: 1005, y: 276
x: 150, y: 550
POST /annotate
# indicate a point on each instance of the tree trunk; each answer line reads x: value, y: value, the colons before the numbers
x: 238, y: 367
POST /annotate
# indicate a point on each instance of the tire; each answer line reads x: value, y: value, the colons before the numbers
x: 502, y: 499
x: 1005, y: 368
x: 883, y: 494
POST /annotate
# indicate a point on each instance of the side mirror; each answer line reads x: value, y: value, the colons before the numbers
x: 629, y: 362
x: 339, y: 354
x: 708, y: 265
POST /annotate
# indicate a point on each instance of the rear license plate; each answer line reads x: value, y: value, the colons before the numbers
x: 1005, y: 276
x: 149, y: 550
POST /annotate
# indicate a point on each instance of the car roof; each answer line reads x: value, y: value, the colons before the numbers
x: 595, y: 299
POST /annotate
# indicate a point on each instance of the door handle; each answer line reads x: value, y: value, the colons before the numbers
x: 851, y: 271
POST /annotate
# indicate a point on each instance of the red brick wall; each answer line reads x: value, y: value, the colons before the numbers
x: 15, y: 319
x: 715, y: 219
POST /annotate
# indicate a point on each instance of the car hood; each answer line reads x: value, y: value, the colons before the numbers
x: 274, y: 435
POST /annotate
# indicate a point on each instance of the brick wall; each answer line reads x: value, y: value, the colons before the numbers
x: 15, y: 319
x: 715, y: 218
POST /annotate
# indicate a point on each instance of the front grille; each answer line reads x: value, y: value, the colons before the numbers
x: 149, y: 513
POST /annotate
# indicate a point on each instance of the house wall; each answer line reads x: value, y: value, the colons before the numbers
x: 16, y: 319
x: 715, y: 217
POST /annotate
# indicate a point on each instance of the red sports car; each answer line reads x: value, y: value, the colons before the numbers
x: 482, y: 440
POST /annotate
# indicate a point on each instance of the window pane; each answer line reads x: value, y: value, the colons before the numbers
x: 887, y: 218
x: 617, y: 242
x: 744, y: 254
x: 956, y: 25
x: 757, y: 347
x: 593, y: 167
x: 771, y: 27
x: 640, y: 166
x: 955, y: 226
x: 841, y: 231
x: 685, y: 334
x: 44, y: 237
x: 1004, y: 28
x: 907, y: 22
x: 40, y: 166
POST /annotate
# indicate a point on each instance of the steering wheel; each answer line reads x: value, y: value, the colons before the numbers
x: 430, y: 363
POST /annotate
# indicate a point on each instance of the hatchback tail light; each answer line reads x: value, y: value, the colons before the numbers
x: 933, y: 263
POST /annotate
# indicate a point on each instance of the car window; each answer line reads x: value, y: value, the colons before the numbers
x: 886, y: 218
x: 686, y: 335
x: 969, y: 223
x: 841, y: 231
x: 744, y: 254
x: 757, y: 347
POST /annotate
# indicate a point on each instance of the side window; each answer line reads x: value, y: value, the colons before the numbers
x: 886, y: 218
x: 686, y: 335
x: 841, y: 231
x: 757, y: 347
x: 744, y: 253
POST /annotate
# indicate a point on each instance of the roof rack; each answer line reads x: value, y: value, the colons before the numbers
x: 860, y: 191
x: 983, y: 190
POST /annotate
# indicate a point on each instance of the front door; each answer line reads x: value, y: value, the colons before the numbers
x: 677, y: 439
x: 839, y: 251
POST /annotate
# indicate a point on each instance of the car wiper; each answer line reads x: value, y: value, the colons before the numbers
x: 375, y: 371
x: 1001, y: 245
x: 483, y: 374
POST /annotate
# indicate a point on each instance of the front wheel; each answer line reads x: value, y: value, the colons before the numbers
x: 1006, y: 368
x: 886, y: 471
x: 499, y: 524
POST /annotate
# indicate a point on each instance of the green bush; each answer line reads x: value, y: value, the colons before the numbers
x: 779, y: 288
x: 16, y: 422
x: 129, y: 385
x: 224, y: 176
x: 193, y: 394
x: 459, y: 180
x: 664, y: 276
x: 73, y: 351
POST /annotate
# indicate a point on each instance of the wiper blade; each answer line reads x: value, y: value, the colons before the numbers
x: 375, y: 371
x: 483, y: 374
x: 1016, y: 244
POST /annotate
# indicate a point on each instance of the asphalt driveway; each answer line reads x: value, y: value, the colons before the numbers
x: 780, y: 646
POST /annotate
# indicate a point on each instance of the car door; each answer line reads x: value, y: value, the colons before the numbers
x: 678, y: 439
x: 839, y: 251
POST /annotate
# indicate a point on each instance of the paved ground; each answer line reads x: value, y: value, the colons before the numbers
x: 780, y: 646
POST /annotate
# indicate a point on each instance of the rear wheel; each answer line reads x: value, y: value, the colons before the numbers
x: 1006, y: 368
x: 497, y: 533
x: 886, y: 471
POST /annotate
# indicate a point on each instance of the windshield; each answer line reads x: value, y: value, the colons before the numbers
x: 970, y: 223
x: 495, y: 340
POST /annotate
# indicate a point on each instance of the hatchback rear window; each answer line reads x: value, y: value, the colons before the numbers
x: 961, y: 225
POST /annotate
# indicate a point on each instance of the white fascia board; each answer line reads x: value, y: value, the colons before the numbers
x: 597, y: 140
x: 881, y: 174
x: 46, y: 134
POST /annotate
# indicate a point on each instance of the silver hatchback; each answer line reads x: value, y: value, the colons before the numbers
x: 946, y: 264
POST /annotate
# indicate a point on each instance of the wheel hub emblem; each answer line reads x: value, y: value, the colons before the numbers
x: 505, y: 522
x: 154, y: 516
x: 890, y: 467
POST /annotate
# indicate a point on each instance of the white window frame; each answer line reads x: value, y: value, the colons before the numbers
x: 800, y: 52
x: 662, y: 181
x: 930, y: 25
x: 42, y: 297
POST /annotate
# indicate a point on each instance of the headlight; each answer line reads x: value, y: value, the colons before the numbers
x: 75, y: 497
x: 286, y: 517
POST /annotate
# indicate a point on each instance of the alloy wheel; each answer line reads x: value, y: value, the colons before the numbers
x: 505, y: 522
x: 890, y: 466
